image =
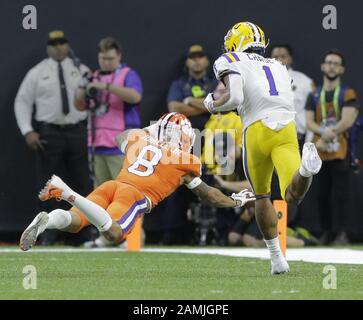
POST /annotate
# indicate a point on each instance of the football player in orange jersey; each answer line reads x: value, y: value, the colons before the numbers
x: 158, y: 161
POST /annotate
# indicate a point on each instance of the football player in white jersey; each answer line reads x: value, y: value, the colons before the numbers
x: 260, y: 90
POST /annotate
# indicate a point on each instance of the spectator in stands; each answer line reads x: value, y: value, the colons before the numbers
x: 186, y: 94
x: 114, y: 95
x: 302, y: 86
x: 57, y: 133
x: 330, y: 113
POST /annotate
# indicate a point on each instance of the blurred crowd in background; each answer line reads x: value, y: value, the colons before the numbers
x: 79, y: 112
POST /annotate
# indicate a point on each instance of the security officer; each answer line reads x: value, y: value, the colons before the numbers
x: 57, y: 132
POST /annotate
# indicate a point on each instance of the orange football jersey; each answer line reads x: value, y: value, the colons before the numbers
x: 155, y: 168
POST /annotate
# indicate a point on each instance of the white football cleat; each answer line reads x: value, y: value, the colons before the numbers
x: 31, y: 233
x: 310, y: 159
x: 279, y: 266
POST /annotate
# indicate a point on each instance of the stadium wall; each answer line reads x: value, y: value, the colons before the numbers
x: 155, y: 36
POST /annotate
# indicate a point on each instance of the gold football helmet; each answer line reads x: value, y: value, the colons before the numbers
x: 244, y: 35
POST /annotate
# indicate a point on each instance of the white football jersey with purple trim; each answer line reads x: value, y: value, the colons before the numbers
x: 266, y: 85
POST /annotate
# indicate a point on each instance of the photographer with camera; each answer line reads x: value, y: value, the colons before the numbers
x: 57, y: 132
x: 112, y: 97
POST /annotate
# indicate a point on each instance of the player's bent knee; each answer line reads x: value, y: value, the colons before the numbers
x: 114, y: 234
x: 262, y: 202
x: 76, y: 224
x: 263, y: 198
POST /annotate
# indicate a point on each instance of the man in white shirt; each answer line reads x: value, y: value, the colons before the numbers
x: 302, y: 86
x: 57, y: 132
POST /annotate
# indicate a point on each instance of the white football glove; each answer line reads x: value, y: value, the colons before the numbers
x: 208, y: 102
x: 243, y: 197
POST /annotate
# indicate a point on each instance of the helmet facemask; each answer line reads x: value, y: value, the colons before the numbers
x: 187, y: 138
x: 179, y: 134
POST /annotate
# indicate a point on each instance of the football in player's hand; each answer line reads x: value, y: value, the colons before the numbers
x: 219, y: 91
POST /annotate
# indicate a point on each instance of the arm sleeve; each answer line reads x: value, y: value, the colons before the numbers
x: 84, y: 69
x: 236, y: 94
x: 133, y: 81
x: 24, y: 101
x: 85, y: 72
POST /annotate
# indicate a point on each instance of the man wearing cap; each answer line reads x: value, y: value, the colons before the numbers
x: 57, y: 132
x: 186, y: 94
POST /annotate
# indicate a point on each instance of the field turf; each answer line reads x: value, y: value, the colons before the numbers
x: 147, y: 275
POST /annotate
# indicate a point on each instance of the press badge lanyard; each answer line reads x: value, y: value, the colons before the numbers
x: 322, y: 101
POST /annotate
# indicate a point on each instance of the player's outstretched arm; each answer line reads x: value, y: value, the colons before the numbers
x: 214, y: 196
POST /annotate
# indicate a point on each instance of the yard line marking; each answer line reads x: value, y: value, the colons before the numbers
x: 316, y: 255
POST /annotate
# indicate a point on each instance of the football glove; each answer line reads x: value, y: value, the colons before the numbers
x: 208, y: 102
x: 242, y: 197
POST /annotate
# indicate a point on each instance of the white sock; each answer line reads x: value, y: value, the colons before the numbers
x: 304, y: 173
x: 98, y: 216
x: 59, y: 219
x: 273, y: 246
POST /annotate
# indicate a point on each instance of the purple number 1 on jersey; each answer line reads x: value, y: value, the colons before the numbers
x: 271, y: 81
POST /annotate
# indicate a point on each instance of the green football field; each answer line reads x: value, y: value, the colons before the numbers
x: 149, y: 275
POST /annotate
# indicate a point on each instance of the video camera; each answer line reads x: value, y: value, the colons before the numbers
x: 92, y: 93
x: 87, y: 78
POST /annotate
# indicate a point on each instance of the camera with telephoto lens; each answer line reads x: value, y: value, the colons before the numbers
x: 92, y: 92
x: 87, y: 78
